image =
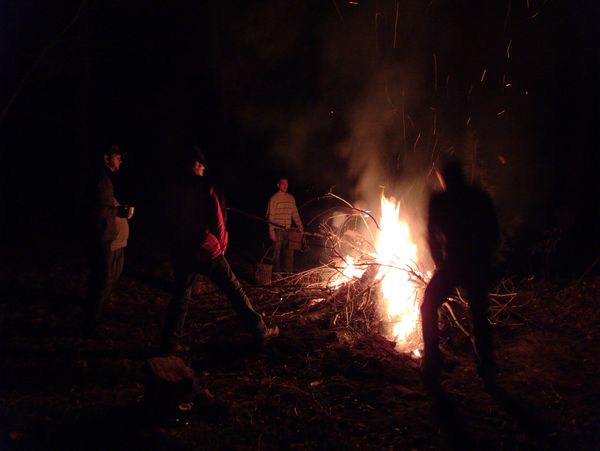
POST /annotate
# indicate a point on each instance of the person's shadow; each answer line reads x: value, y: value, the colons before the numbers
x: 530, y: 418
x: 450, y: 421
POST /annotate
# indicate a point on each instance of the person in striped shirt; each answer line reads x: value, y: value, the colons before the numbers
x: 281, y: 212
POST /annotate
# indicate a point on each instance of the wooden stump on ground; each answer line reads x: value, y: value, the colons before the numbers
x: 171, y: 383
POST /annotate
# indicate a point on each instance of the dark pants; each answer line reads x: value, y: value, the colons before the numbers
x: 475, y: 281
x: 282, y: 246
x: 219, y: 271
x: 106, y: 267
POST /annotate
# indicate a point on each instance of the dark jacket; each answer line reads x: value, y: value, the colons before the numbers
x: 198, y: 227
x: 462, y: 227
x: 103, y: 207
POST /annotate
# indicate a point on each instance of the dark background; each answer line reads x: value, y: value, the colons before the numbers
x: 331, y: 93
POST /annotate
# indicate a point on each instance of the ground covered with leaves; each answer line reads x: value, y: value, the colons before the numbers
x: 317, y: 386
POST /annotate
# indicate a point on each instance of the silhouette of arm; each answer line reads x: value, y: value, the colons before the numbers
x: 435, y: 235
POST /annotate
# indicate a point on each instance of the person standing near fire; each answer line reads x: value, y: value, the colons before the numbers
x: 463, y: 235
x: 198, y: 243
x: 109, y: 235
x: 281, y: 211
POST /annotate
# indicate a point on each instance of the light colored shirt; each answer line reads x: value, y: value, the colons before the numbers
x: 282, y: 210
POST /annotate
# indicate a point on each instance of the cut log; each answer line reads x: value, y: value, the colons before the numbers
x: 171, y: 369
x: 171, y: 383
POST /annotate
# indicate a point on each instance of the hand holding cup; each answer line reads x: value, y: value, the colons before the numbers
x: 125, y: 211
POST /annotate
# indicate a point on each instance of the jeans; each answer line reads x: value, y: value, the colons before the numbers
x: 282, y: 246
x: 106, y: 267
x: 444, y: 280
x: 219, y: 271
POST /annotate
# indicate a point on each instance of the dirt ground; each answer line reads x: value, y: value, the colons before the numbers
x: 314, y: 387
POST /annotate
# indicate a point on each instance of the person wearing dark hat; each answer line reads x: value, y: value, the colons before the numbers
x: 463, y: 234
x: 109, y: 235
x: 199, y: 240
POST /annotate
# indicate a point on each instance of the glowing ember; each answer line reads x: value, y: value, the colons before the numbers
x: 397, y: 253
x: 348, y: 272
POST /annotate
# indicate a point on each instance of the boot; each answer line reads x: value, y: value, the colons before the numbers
x: 264, y: 334
x: 431, y: 371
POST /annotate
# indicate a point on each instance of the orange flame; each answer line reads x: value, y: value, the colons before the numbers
x: 397, y: 255
x: 348, y: 272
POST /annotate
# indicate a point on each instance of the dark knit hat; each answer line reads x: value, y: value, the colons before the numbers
x: 114, y: 150
x: 198, y: 155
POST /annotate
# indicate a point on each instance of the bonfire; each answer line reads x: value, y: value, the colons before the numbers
x: 373, y: 281
x: 373, y: 276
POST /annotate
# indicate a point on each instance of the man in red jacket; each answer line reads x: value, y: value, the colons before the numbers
x: 198, y: 247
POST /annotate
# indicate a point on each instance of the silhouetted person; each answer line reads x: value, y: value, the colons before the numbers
x: 199, y: 241
x: 109, y: 235
x: 281, y: 211
x: 463, y: 234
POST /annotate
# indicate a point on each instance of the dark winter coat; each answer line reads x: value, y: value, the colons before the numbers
x: 198, y: 226
x: 462, y: 227
x: 103, y: 207
x: 108, y: 229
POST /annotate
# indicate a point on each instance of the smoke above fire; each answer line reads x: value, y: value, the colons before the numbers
x: 370, y: 94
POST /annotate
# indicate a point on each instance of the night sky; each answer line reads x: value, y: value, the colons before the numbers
x: 336, y: 95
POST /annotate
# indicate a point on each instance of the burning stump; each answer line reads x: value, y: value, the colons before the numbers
x: 170, y: 385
